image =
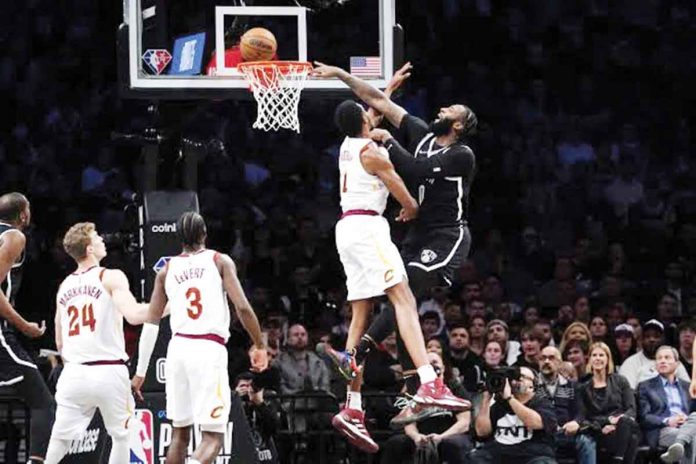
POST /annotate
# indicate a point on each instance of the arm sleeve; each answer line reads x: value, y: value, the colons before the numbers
x: 457, y: 161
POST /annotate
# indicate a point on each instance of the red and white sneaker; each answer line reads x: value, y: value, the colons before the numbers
x: 436, y: 393
x: 351, y: 424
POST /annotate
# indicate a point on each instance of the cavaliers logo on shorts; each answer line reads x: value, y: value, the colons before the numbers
x: 389, y: 275
x: 216, y: 412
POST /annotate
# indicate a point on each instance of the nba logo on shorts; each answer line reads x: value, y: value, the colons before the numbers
x: 141, y: 444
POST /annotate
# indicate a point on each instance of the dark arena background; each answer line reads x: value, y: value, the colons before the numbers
x: 582, y: 216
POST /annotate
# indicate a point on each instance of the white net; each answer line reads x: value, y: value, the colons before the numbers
x: 276, y: 87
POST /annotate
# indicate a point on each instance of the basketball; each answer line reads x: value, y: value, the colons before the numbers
x: 258, y: 44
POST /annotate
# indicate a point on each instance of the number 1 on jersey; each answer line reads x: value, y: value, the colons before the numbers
x: 345, y: 181
x: 193, y: 295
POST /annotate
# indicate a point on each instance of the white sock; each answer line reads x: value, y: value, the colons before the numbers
x: 193, y: 461
x: 426, y: 373
x: 354, y: 400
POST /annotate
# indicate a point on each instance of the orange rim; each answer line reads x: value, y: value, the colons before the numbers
x: 283, y: 66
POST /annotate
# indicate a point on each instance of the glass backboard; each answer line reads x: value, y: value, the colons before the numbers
x: 177, y: 50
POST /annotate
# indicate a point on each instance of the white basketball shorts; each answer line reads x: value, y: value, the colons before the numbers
x: 197, y: 386
x: 370, y: 259
x: 81, y: 389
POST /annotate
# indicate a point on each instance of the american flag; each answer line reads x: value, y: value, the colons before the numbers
x: 366, y: 65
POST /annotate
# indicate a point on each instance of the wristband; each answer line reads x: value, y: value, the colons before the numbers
x: 146, y: 345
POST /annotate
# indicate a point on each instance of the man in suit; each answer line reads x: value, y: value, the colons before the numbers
x: 667, y: 413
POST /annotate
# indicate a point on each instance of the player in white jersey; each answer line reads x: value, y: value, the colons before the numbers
x: 196, y: 284
x: 373, y: 265
x: 90, y: 307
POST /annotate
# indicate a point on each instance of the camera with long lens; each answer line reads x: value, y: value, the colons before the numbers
x: 495, y: 380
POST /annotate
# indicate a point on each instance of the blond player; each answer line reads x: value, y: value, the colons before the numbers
x: 90, y: 307
x: 373, y: 265
x: 196, y: 284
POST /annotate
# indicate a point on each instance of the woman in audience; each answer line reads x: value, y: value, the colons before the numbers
x: 623, y: 344
x: 477, y: 334
x: 493, y: 355
x: 575, y: 331
x: 575, y: 352
x: 599, y: 329
x: 608, y: 406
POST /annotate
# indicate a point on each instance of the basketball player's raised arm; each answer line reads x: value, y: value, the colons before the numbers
x: 116, y: 282
x: 372, y: 96
x: 11, y: 248
x: 380, y: 166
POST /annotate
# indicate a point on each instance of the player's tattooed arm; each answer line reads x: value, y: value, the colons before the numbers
x: 380, y: 166
x: 117, y: 283
x: 11, y: 247
x: 372, y: 96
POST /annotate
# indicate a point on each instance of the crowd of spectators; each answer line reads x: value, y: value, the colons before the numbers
x: 583, y: 211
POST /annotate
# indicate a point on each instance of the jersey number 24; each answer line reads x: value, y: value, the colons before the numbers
x: 87, y: 319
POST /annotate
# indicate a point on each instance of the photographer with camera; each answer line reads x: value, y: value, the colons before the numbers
x: 522, y: 423
x: 263, y: 417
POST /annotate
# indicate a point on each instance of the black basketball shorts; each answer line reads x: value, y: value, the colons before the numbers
x: 437, y: 250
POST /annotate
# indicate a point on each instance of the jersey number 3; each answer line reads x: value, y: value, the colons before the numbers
x: 75, y: 323
x: 193, y: 295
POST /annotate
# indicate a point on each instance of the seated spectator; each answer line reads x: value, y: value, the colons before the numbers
x: 641, y: 366
x: 575, y: 331
x: 475, y: 308
x: 521, y: 422
x: 544, y: 327
x: 608, y: 406
x: 468, y: 364
x: 531, y: 341
x: 599, y: 329
x: 452, y: 313
x: 477, y: 334
x: 530, y: 314
x: 447, y: 430
x: 493, y: 355
x: 430, y: 322
x: 623, y: 344
x: 498, y: 330
x: 562, y: 393
x: 576, y: 352
x: 301, y: 370
x: 667, y: 414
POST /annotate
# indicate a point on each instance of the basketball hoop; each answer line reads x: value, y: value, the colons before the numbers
x: 276, y: 86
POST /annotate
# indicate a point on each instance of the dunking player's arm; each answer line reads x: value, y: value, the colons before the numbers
x: 373, y: 97
x: 380, y: 166
x: 11, y: 247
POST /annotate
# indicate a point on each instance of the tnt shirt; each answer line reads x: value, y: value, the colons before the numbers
x: 516, y: 441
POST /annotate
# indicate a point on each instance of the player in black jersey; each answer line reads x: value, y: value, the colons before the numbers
x: 17, y: 366
x: 439, y: 169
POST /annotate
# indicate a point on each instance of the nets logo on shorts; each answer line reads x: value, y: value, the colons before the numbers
x: 140, y: 439
x: 428, y: 256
